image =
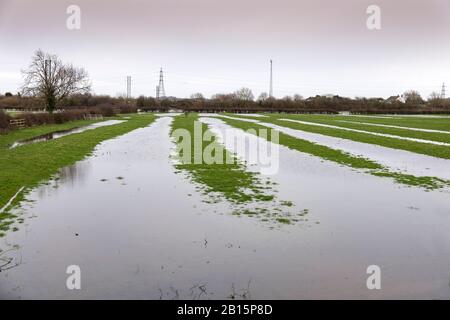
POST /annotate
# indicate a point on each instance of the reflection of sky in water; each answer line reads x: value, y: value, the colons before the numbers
x: 60, y: 134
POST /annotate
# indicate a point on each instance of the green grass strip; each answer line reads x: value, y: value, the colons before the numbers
x: 442, y: 124
x: 31, y: 164
x: 231, y: 180
x: 306, y: 146
x: 337, y: 156
x: 432, y: 136
x: 248, y: 193
x: 412, y: 146
x: 6, y: 140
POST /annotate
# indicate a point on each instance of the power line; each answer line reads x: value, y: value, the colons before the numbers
x: 443, y: 91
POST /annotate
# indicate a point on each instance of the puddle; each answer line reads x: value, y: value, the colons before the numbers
x: 138, y: 230
x: 60, y: 134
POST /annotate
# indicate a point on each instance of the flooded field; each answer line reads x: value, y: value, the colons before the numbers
x: 140, y: 226
x: 60, y: 134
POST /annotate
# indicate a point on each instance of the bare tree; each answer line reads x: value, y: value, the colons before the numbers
x: 412, y: 97
x: 436, y: 100
x: 223, y: 97
x: 244, y: 94
x: 298, y: 97
x: 47, y: 77
x: 197, y: 96
x: 434, y: 96
x: 263, y: 97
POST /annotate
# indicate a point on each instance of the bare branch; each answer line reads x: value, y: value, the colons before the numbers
x: 49, y: 78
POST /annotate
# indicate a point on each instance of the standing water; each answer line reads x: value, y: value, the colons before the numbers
x: 137, y: 229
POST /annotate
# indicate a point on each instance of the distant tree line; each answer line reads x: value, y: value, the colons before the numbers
x: 52, y: 85
x: 241, y: 101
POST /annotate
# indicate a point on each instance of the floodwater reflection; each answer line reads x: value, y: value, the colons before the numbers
x: 139, y: 230
x: 63, y: 133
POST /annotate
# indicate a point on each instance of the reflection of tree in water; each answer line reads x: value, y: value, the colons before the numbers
x: 67, y: 176
x: 8, y: 260
x: 76, y: 173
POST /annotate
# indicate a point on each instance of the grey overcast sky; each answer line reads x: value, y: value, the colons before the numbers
x: 212, y: 46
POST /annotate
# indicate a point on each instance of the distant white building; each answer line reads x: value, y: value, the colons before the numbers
x: 398, y: 98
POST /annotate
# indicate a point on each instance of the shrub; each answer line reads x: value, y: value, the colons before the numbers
x: 107, y: 110
x: 4, y: 121
x: 127, y: 109
x: 35, y: 119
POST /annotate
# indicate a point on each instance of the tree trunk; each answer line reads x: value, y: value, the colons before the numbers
x: 50, y: 102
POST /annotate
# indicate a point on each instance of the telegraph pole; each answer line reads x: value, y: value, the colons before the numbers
x: 271, y: 81
x: 128, y: 88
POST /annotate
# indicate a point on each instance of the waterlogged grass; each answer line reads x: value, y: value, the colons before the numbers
x: 428, y: 183
x: 331, y: 120
x: 442, y: 124
x: 32, y: 164
x: 412, y: 146
x: 228, y: 179
x: 307, y: 146
x: 6, y: 140
x: 338, y: 156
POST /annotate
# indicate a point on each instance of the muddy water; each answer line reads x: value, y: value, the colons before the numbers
x: 60, y: 134
x: 139, y: 230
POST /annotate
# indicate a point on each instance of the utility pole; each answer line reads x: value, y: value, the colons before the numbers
x: 271, y: 81
x: 128, y: 88
x: 160, y: 92
x: 443, y: 91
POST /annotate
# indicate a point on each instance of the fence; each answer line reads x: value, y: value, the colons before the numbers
x: 18, y: 123
x: 93, y: 117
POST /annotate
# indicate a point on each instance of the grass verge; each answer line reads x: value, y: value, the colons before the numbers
x: 231, y: 180
x: 330, y: 120
x: 31, y: 164
x: 442, y: 123
x: 393, y: 143
x: 244, y: 189
x: 340, y: 157
x: 8, y: 139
